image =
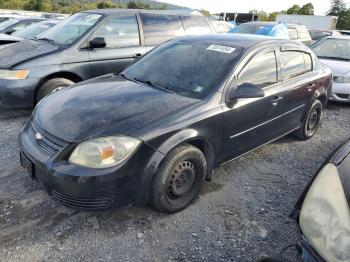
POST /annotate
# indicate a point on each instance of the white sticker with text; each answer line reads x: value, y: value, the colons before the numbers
x: 221, y: 48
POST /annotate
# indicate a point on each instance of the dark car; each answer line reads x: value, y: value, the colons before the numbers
x: 83, y: 46
x: 323, y: 212
x: 29, y: 32
x: 154, y: 132
x: 17, y: 23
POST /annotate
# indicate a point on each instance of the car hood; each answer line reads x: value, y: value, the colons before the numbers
x: 19, y: 52
x: 105, y: 106
x: 339, y: 68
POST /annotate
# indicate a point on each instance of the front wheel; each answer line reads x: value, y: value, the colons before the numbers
x: 312, y: 122
x: 179, y: 179
x: 51, y: 85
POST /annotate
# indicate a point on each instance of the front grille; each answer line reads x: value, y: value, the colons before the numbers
x: 47, y: 144
x: 81, y: 203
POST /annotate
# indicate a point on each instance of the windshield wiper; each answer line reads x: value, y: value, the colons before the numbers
x: 153, y: 84
x: 335, y: 58
x: 47, y: 40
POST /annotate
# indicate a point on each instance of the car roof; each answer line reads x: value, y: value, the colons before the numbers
x: 239, y: 40
x: 112, y: 11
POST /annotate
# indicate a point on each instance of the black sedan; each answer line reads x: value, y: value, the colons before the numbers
x: 154, y: 133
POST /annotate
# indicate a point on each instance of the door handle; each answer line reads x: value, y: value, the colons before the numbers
x: 276, y: 99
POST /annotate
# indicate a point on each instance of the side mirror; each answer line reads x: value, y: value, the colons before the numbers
x: 245, y: 90
x: 97, y: 42
x: 10, y: 32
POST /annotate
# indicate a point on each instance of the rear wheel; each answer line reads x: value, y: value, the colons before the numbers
x: 312, y: 122
x: 51, y: 85
x: 179, y: 179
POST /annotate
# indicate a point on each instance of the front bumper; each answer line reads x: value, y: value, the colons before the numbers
x: 18, y: 93
x: 340, y: 92
x: 86, y: 188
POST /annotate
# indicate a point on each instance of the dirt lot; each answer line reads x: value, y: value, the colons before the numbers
x: 240, y: 216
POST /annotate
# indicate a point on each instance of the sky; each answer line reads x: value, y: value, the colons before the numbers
x: 216, y: 6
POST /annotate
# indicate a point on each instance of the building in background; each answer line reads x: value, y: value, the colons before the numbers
x: 310, y: 21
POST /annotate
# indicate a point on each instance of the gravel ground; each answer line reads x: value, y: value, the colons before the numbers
x: 240, y: 216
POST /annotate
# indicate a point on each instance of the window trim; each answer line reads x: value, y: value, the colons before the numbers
x: 286, y: 49
x: 259, y: 52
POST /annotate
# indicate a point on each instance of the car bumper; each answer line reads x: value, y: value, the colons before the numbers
x: 18, y: 93
x: 340, y: 92
x: 86, y: 188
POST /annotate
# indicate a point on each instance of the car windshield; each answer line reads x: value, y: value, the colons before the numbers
x: 33, y: 30
x: 317, y: 35
x: 333, y: 49
x: 191, y: 69
x: 70, y: 29
x: 7, y: 24
x: 2, y: 19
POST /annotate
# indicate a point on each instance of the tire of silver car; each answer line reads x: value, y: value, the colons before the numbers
x: 179, y: 179
x: 312, y: 121
x: 49, y: 86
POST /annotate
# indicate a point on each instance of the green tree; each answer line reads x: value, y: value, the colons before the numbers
x: 272, y: 16
x: 293, y: 10
x: 104, y: 5
x: 339, y: 9
x: 307, y: 9
x: 205, y: 12
x: 132, y: 5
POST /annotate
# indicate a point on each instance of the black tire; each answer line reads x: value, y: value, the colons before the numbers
x: 49, y: 86
x: 179, y: 179
x: 311, y: 122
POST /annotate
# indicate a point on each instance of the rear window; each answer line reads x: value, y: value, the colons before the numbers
x: 294, y: 64
x: 160, y: 28
x: 195, y: 25
x: 293, y: 33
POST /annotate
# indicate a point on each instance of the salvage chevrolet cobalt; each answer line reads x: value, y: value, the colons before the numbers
x: 154, y: 132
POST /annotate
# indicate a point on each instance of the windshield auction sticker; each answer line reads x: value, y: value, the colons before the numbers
x: 221, y: 48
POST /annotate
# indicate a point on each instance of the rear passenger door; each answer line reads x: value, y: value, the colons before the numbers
x: 123, y: 45
x: 297, y: 87
x: 158, y: 28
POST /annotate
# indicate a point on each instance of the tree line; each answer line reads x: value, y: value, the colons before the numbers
x: 337, y: 8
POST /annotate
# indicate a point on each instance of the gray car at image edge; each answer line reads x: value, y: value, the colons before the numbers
x: 84, y: 46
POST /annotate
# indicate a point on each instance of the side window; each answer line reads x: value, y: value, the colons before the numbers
x: 292, y: 64
x: 261, y: 70
x: 22, y: 25
x: 160, y: 28
x: 308, y: 62
x: 119, y: 31
x: 293, y: 33
x: 195, y: 25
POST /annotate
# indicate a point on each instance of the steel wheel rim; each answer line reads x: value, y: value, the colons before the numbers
x: 313, y: 120
x: 181, y: 180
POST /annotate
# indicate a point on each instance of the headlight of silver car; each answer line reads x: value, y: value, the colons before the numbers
x: 325, y: 216
x: 104, y: 152
x: 14, y: 74
x: 342, y: 79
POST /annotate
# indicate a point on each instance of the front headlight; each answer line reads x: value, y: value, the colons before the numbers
x: 104, y: 152
x: 342, y: 79
x: 14, y: 74
x: 325, y: 216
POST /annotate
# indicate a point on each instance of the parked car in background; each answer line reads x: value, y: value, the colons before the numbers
x: 86, y: 45
x: 154, y: 132
x: 295, y: 31
x: 317, y: 35
x: 222, y: 26
x: 29, y: 32
x: 345, y: 32
x: 3, y: 18
x: 335, y: 53
x: 18, y: 23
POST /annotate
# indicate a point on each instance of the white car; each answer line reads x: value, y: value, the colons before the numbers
x: 335, y: 53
